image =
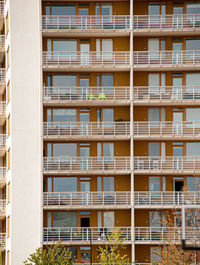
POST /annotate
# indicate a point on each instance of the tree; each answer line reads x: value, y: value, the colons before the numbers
x: 111, y: 254
x: 51, y: 255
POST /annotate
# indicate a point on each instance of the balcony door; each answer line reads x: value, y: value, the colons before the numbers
x: 177, y: 92
x: 83, y: 18
x: 178, y: 17
x: 177, y: 123
x: 84, y: 88
x: 177, y: 52
x: 84, y: 123
x: 178, y: 157
x: 154, y: 49
x: 85, y: 53
x: 85, y: 192
x: 84, y: 157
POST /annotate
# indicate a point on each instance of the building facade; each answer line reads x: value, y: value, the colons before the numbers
x: 99, y: 121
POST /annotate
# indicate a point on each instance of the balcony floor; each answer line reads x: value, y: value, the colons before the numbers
x: 87, y: 103
x: 166, y: 32
x: 87, y: 172
x: 87, y: 138
x: 87, y: 207
x: 87, y: 68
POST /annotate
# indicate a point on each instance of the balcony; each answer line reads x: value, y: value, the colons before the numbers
x: 87, y: 200
x: 2, y: 80
x: 2, y: 177
x: 166, y: 165
x: 2, y: 209
x: 86, y: 61
x: 118, y: 25
x: 2, y: 144
x: 86, y: 165
x: 158, y: 235
x: 1, y: 14
x: 166, y: 60
x: 86, y: 130
x: 2, y: 241
x: 166, y: 25
x: 166, y: 130
x: 2, y: 48
x: 165, y: 199
x: 2, y: 112
x: 167, y: 95
x: 86, y: 96
x: 82, y: 235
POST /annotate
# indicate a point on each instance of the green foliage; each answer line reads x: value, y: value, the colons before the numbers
x: 111, y: 254
x: 52, y: 255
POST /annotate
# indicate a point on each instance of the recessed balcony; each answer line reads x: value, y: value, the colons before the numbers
x: 166, y: 25
x: 159, y: 235
x: 86, y: 200
x: 2, y: 209
x: 86, y: 61
x: 118, y: 25
x: 166, y: 130
x: 167, y: 95
x: 166, y: 60
x: 165, y: 199
x: 86, y: 96
x: 86, y: 130
x: 86, y: 165
x: 2, y: 112
x: 2, y: 144
x: 83, y: 235
x: 2, y: 177
x: 2, y: 80
x: 2, y: 241
x: 1, y: 14
x: 167, y: 165
x: 2, y: 48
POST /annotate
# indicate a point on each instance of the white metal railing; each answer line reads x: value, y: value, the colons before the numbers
x: 167, y: 163
x: 86, y: 163
x: 2, y: 140
x: 166, y: 22
x: 2, y: 173
x: 166, y: 128
x: 166, y: 57
x: 120, y: 198
x: 86, y: 128
x: 157, y: 233
x: 166, y: 198
x: 166, y: 93
x: 2, y: 206
x: 86, y: 58
x: 86, y: 93
x: 83, y: 233
x: 1, y: 8
x: 2, y: 74
x: 117, y: 22
x: 2, y: 239
x: 2, y: 41
x: 2, y: 107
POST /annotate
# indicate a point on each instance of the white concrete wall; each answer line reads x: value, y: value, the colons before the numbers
x: 26, y: 178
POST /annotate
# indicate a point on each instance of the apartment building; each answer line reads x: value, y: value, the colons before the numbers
x: 99, y: 123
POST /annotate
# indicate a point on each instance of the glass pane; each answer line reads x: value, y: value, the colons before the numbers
x: 63, y: 10
x: 154, y: 149
x: 193, y: 45
x: 65, y: 184
x: 193, y: 149
x: 64, y: 80
x: 108, y: 118
x: 64, y: 115
x: 64, y: 219
x: 108, y: 151
x: 107, y: 83
x: 108, y: 184
x: 64, y: 150
x: 193, y: 8
x: 154, y: 183
x: 193, y: 183
x: 109, y: 219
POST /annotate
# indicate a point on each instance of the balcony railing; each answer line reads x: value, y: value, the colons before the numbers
x: 1, y: 8
x: 2, y: 74
x: 2, y: 206
x: 86, y: 129
x: 82, y: 164
x: 102, y: 94
x: 83, y: 199
x: 2, y: 140
x: 158, y: 234
x: 81, y: 234
x: 80, y: 23
x: 167, y: 129
x: 166, y: 58
x: 2, y: 173
x: 2, y: 240
x: 166, y: 198
x: 166, y: 94
x: 166, y: 22
x: 2, y: 41
x: 86, y: 58
x: 166, y: 164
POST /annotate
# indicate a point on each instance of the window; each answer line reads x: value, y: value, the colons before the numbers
x: 154, y: 149
x: 62, y: 10
x: 63, y: 81
x: 192, y: 115
x: 107, y: 83
x: 109, y: 219
x: 64, y: 184
x: 108, y: 151
x: 154, y: 183
x: 193, y: 183
x: 64, y: 115
x: 62, y: 149
x: 108, y: 118
x: 62, y: 219
x: 108, y: 183
x: 193, y: 8
x: 193, y: 149
x: 193, y: 83
x: 193, y: 45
